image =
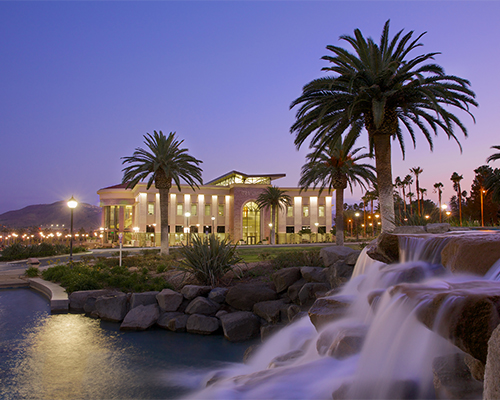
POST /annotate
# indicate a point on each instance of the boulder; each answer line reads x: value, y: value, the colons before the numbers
x: 293, y: 290
x: 285, y: 277
x: 452, y: 379
x: 328, y: 309
x: 461, y: 253
x: 164, y: 318
x: 192, y: 291
x: 437, y: 228
x: 203, y: 306
x: 314, y: 274
x: 112, y: 307
x: 145, y: 299
x: 169, y: 300
x: 409, y: 230
x: 308, y: 293
x: 178, y: 323
x: 492, y: 369
x: 218, y: 294
x: 178, y: 279
x: 202, y: 324
x: 240, y: 326
x: 140, y: 318
x: 269, y: 310
x: 475, y: 366
x: 77, y: 299
x: 330, y: 255
x: 245, y: 295
x: 285, y: 359
x: 339, y: 273
x: 341, y: 343
x: 385, y: 248
x: 269, y: 330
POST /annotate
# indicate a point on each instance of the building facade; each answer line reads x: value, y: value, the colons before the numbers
x: 225, y: 206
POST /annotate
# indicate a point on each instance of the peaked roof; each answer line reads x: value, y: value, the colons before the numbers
x: 243, y: 177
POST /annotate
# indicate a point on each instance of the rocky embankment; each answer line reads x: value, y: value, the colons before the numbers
x: 240, y: 312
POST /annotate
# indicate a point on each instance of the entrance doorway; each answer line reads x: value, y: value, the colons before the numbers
x: 251, y: 223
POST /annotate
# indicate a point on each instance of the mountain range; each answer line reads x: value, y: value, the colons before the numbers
x: 85, y: 216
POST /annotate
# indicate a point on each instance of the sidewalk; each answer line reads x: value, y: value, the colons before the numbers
x: 12, y: 279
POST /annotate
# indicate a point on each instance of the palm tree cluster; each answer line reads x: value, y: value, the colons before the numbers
x: 379, y: 90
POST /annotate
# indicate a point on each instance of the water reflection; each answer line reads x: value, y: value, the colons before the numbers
x: 70, y: 356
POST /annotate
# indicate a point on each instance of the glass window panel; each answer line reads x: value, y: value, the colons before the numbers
x: 180, y: 209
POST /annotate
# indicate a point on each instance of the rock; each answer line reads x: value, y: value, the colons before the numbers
x: 437, y: 228
x: 269, y: 330
x: 140, y: 318
x: 409, y: 230
x: 339, y: 273
x: 330, y: 255
x: 203, y: 306
x: 77, y: 299
x: 285, y: 359
x: 245, y: 295
x: 314, y: 274
x: 202, y: 324
x: 492, y: 369
x: 218, y: 294
x: 293, y: 290
x: 291, y: 312
x: 461, y: 253
x: 307, y: 293
x: 145, y: 298
x: 347, y: 342
x: 475, y: 366
x: 164, y: 318
x: 169, y: 300
x: 285, y: 277
x: 385, y: 248
x: 328, y: 309
x: 470, y: 314
x: 178, y: 279
x: 250, y: 351
x: 112, y: 307
x: 269, y: 310
x: 352, y: 258
x: 452, y: 378
x: 220, y: 313
x: 178, y: 323
x: 240, y: 326
x: 192, y: 291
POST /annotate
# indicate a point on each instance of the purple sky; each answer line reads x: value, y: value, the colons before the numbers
x: 82, y: 82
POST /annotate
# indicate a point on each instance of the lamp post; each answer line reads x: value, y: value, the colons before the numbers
x: 482, y: 213
x: 213, y: 225
x: 188, y: 229
x: 356, y: 215
x: 72, y: 203
x: 443, y: 208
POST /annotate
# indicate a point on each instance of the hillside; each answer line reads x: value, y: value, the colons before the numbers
x: 85, y: 216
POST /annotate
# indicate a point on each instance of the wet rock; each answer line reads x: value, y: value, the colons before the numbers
x: 269, y: 310
x: 202, y: 325
x: 409, y: 230
x: 169, y: 300
x: 437, y: 228
x: 347, y: 343
x: 112, y: 308
x: 339, y: 273
x: 164, y: 318
x: 385, y: 248
x: 178, y: 323
x: 492, y: 369
x: 285, y: 277
x: 308, y: 292
x: 314, y: 274
x: 330, y: 255
x: 328, y: 309
x: 218, y: 295
x: 78, y: 299
x: 245, y: 295
x: 285, y: 359
x: 452, y: 378
x: 475, y: 366
x: 140, y: 318
x: 293, y: 290
x: 240, y: 326
x: 269, y: 330
x: 203, y: 306
x: 192, y: 291
x: 145, y: 299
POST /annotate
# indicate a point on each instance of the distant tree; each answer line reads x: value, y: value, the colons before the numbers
x: 417, y: 171
x: 480, y: 189
x: 276, y: 199
x: 455, y: 178
x: 438, y: 188
x: 495, y: 156
x: 334, y: 167
x: 163, y: 162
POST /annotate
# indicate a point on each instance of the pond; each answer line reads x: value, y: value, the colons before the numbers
x: 70, y: 356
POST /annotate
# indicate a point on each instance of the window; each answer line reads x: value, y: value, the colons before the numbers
x: 194, y: 209
x: 305, y: 211
x: 321, y: 211
x: 193, y: 229
x: 179, y: 229
x: 289, y: 211
x: 221, y: 229
x: 208, y: 210
x: 221, y: 209
x: 151, y: 208
x: 290, y: 229
x: 150, y: 229
x: 207, y: 230
x: 180, y: 209
x: 322, y: 229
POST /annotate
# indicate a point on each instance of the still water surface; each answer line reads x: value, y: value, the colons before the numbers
x: 70, y: 356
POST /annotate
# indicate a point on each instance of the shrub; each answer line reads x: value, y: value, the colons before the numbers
x: 32, y: 272
x: 208, y: 259
x: 302, y: 258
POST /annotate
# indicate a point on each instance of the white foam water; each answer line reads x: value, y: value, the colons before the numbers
x: 395, y: 361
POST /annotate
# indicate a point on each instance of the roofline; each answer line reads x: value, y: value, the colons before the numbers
x: 271, y: 176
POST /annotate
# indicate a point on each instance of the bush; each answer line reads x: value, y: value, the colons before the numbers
x: 208, y: 259
x: 18, y: 251
x: 302, y: 258
x: 32, y: 272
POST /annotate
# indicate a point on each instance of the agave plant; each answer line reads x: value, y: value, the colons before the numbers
x: 208, y: 259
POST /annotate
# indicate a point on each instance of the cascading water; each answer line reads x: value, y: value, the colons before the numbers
x: 378, y: 350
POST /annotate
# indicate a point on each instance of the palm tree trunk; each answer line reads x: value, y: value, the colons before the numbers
x: 273, y: 221
x: 164, y: 200
x: 339, y: 217
x: 383, y: 165
x: 418, y: 197
x: 460, y: 203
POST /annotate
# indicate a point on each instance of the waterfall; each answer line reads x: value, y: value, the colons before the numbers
x: 396, y: 350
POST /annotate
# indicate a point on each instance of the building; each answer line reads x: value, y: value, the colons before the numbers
x: 225, y: 206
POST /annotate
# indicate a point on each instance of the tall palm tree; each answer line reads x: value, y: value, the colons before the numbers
x: 417, y: 171
x: 495, y: 156
x: 334, y: 167
x: 438, y: 188
x: 455, y: 178
x: 408, y: 181
x: 275, y: 198
x: 422, y: 194
x: 379, y: 88
x: 410, y: 196
x: 163, y: 162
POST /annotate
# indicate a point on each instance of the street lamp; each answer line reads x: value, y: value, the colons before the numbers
x: 356, y: 215
x: 72, y: 203
x: 213, y: 225
x: 188, y: 229
x: 443, y: 208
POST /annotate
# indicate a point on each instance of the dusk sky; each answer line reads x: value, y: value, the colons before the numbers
x: 82, y: 82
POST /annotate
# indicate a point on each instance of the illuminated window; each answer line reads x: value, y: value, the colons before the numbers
x: 194, y: 209
x: 289, y: 211
x: 151, y: 208
x: 305, y: 211
x: 221, y: 209
x: 208, y: 210
x: 321, y: 211
x: 180, y: 209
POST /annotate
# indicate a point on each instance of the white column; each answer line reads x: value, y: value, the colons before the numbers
x: 297, y: 213
x: 313, y: 213
x: 172, y: 213
x: 201, y: 212
x: 328, y: 212
x: 227, y: 206
x: 143, y: 212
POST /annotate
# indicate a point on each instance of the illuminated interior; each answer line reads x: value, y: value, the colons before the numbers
x: 251, y: 223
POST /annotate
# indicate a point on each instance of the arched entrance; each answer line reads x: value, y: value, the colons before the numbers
x: 251, y: 223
